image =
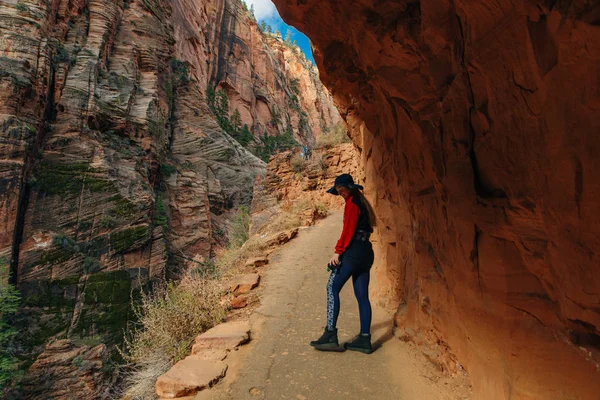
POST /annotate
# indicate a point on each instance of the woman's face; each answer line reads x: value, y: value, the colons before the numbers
x: 343, y: 191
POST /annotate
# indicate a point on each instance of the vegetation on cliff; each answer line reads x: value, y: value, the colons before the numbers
x: 169, y: 318
x: 263, y: 147
x: 9, y: 304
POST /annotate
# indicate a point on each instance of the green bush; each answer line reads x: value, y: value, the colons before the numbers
x: 107, y: 222
x: 167, y: 170
x: 160, y: 213
x: 91, y: 265
x: 9, y: 303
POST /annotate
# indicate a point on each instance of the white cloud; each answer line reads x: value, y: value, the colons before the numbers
x: 263, y: 9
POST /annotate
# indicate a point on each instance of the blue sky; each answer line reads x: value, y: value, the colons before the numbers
x: 264, y: 10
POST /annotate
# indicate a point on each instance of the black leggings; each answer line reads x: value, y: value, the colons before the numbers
x: 360, y: 281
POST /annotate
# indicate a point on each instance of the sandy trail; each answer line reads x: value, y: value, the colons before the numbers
x: 279, y: 363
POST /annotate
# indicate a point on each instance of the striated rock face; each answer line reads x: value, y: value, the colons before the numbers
x: 269, y: 82
x: 65, y: 370
x: 112, y: 167
x: 478, y: 126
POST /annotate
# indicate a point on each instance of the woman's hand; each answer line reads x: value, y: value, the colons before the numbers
x: 335, y: 260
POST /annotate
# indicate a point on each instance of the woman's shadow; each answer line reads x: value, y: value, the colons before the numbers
x: 388, y: 333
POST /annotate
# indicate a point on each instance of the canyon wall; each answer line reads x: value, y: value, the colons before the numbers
x: 478, y: 127
x: 112, y: 168
x: 268, y: 81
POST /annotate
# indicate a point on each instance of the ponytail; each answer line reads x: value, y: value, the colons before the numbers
x: 370, y: 212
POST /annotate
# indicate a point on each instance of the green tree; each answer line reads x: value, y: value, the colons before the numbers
x: 252, y: 10
x: 245, y: 136
x: 9, y: 303
x: 222, y: 110
x: 278, y: 33
x: 269, y: 29
x: 288, y: 37
x: 235, y: 123
x: 210, y: 98
x: 244, y: 5
x: 263, y: 26
x: 295, y: 43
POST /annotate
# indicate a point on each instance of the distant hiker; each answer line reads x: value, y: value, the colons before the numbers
x: 304, y: 153
x: 308, y: 153
x: 353, y: 258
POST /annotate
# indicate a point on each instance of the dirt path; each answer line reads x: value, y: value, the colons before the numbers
x: 279, y: 363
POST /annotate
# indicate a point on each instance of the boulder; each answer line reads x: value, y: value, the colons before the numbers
x: 245, y: 283
x: 239, y: 302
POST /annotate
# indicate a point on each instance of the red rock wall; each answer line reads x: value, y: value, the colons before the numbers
x: 478, y: 124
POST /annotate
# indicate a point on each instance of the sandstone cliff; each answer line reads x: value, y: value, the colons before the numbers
x: 478, y: 126
x: 267, y: 81
x: 113, y: 169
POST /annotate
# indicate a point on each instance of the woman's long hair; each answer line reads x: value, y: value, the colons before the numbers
x: 370, y: 212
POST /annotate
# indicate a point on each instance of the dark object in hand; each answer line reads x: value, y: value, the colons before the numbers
x: 331, y: 267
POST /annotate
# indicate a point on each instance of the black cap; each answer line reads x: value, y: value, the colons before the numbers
x: 344, y: 180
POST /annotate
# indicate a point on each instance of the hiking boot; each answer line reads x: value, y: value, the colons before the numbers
x: 360, y: 343
x: 327, y: 342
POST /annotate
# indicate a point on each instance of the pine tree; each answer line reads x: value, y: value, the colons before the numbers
x: 288, y: 37
x: 252, y: 10
x: 263, y: 26
x: 222, y: 110
x: 278, y: 33
x: 236, y: 124
x: 210, y: 98
x: 245, y: 136
x: 269, y: 29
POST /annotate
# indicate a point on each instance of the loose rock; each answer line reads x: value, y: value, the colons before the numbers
x: 239, y: 302
x: 226, y: 336
x: 245, y: 283
x: 189, y: 376
x: 257, y: 261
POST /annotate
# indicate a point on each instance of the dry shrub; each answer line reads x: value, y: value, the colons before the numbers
x: 169, y: 318
x: 289, y: 216
x: 230, y: 257
x: 322, y: 209
x: 240, y: 227
x: 298, y: 164
x: 140, y: 380
x: 337, y: 136
x: 293, y: 215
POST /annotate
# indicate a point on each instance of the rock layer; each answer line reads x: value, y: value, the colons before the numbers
x: 477, y: 122
x: 68, y: 370
x: 112, y: 167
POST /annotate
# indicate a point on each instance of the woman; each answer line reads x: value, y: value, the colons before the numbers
x: 353, y: 258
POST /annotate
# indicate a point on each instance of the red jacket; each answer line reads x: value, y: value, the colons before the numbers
x: 351, y: 214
